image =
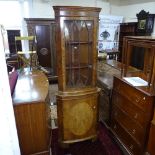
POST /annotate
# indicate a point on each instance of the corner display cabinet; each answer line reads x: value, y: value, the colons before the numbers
x: 77, y: 99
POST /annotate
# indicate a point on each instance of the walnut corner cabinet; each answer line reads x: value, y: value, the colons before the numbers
x: 77, y: 99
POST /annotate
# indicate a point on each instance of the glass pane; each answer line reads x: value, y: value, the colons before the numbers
x: 78, y: 51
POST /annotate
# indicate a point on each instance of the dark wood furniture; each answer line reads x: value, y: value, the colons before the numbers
x: 126, y: 29
x: 132, y: 109
x: 105, y: 81
x: 111, y: 53
x: 151, y: 141
x: 107, y: 69
x: 29, y: 102
x: 11, y: 41
x: 77, y: 98
x: 133, y: 106
x: 145, y: 23
x: 146, y: 43
x: 44, y: 30
x: 12, y: 61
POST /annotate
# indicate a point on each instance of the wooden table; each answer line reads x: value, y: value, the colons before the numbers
x: 29, y: 101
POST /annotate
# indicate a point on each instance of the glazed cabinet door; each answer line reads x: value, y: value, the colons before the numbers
x: 78, y: 40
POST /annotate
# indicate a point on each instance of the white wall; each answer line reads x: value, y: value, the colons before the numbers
x: 129, y: 10
x: 43, y: 8
x: 8, y: 135
x: 125, y: 8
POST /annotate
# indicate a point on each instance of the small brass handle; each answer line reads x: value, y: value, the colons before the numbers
x: 136, y: 115
x: 133, y: 131
x: 131, y: 147
x: 115, y: 127
x: 137, y: 100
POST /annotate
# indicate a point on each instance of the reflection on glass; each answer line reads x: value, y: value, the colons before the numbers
x: 78, y: 52
x: 142, y: 24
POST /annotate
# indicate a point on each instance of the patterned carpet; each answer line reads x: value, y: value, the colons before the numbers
x: 104, y: 145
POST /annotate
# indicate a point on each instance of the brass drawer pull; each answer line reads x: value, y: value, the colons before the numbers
x: 135, y: 116
x: 137, y: 100
x: 133, y: 131
x: 131, y: 147
x: 115, y: 127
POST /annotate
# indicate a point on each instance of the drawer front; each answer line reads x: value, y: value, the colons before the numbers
x: 132, y: 94
x: 131, y: 126
x: 125, y: 138
x: 132, y: 110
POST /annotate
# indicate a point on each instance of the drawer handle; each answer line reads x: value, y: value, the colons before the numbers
x: 115, y: 127
x: 137, y: 100
x: 94, y: 107
x: 133, y: 131
x: 136, y: 115
x: 131, y: 147
x: 75, y: 47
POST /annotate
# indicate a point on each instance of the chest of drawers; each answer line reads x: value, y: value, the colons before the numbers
x: 131, y: 114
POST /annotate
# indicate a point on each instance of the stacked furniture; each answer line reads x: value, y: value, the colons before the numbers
x: 44, y: 30
x: 132, y: 106
x: 126, y: 29
x: 131, y: 115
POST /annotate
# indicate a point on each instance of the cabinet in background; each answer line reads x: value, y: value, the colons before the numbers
x: 44, y: 30
x: 151, y: 141
x: 77, y: 99
x: 11, y: 40
x: 133, y: 105
x: 126, y: 29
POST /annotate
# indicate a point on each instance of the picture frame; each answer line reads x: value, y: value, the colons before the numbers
x: 145, y: 23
